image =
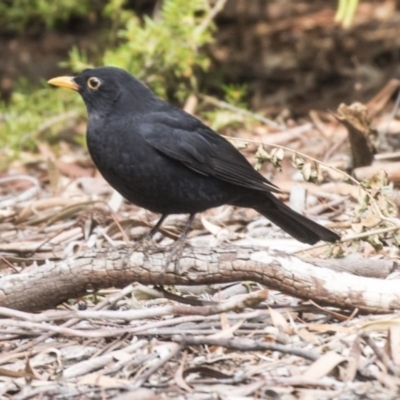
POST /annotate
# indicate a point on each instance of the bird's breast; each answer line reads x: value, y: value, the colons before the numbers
x: 150, y: 179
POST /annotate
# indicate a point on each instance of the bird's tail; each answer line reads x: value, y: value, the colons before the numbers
x: 295, y: 224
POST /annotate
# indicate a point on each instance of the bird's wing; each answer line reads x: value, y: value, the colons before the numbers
x: 184, y: 138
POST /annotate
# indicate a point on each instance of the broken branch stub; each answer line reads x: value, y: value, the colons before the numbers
x: 361, y: 136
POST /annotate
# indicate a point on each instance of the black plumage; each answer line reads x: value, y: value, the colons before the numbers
x: 167, y: 161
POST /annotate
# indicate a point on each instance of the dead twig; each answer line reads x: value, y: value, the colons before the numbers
x: 243, y: 345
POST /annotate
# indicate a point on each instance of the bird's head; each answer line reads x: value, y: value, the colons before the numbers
x: 104, y: 87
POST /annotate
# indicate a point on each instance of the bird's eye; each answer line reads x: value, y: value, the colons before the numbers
x: 93, y: 83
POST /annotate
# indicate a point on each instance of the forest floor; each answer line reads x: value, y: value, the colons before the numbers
x: 64, y: 336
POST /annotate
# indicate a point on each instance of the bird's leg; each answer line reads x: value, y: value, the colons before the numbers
x: 145, y: 239
x: 148, y: 235
x: 156, y: 227
x: 177, y: 248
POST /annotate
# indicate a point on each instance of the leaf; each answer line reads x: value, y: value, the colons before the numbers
x: 394, y: 344
x: 353, y: 361
x: 102, y: 381
x: 370, y: 221
x: 279, y: 321
x: 324, y: 365
x: 380, y: 325
x: 323, y: 328
x: 310, y: 172
x: 297, y: 161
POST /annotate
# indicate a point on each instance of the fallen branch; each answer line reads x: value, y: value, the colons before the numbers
x: 46, y: 286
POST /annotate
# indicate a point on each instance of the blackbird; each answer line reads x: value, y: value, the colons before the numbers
x: 163, y: 159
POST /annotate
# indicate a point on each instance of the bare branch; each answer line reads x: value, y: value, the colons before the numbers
x: 48, y: 285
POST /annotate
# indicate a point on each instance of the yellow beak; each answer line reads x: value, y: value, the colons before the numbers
x: 65, y: 82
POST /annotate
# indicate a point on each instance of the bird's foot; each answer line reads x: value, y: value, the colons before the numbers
x: 143, y: 244
x: 177, y: 248
x: 146, y: 240
x: 175, y: 255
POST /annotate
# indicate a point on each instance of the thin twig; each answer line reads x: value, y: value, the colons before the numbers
x: 219, y: 5
x: 387, y: 362
x: 244, y: 345
x: 241, y: 111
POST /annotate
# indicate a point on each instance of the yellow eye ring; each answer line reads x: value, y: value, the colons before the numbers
x: 93, y: 83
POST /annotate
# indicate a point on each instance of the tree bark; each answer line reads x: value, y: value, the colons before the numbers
x: 43, y: 287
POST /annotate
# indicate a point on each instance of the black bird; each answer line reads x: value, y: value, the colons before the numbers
x: 165, y: 160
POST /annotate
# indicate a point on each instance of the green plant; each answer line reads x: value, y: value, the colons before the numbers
x: 18, y: 14
x: 345, y: 12
x: 31, y: 114
x: 234, y: 96
x: 165, y: 51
